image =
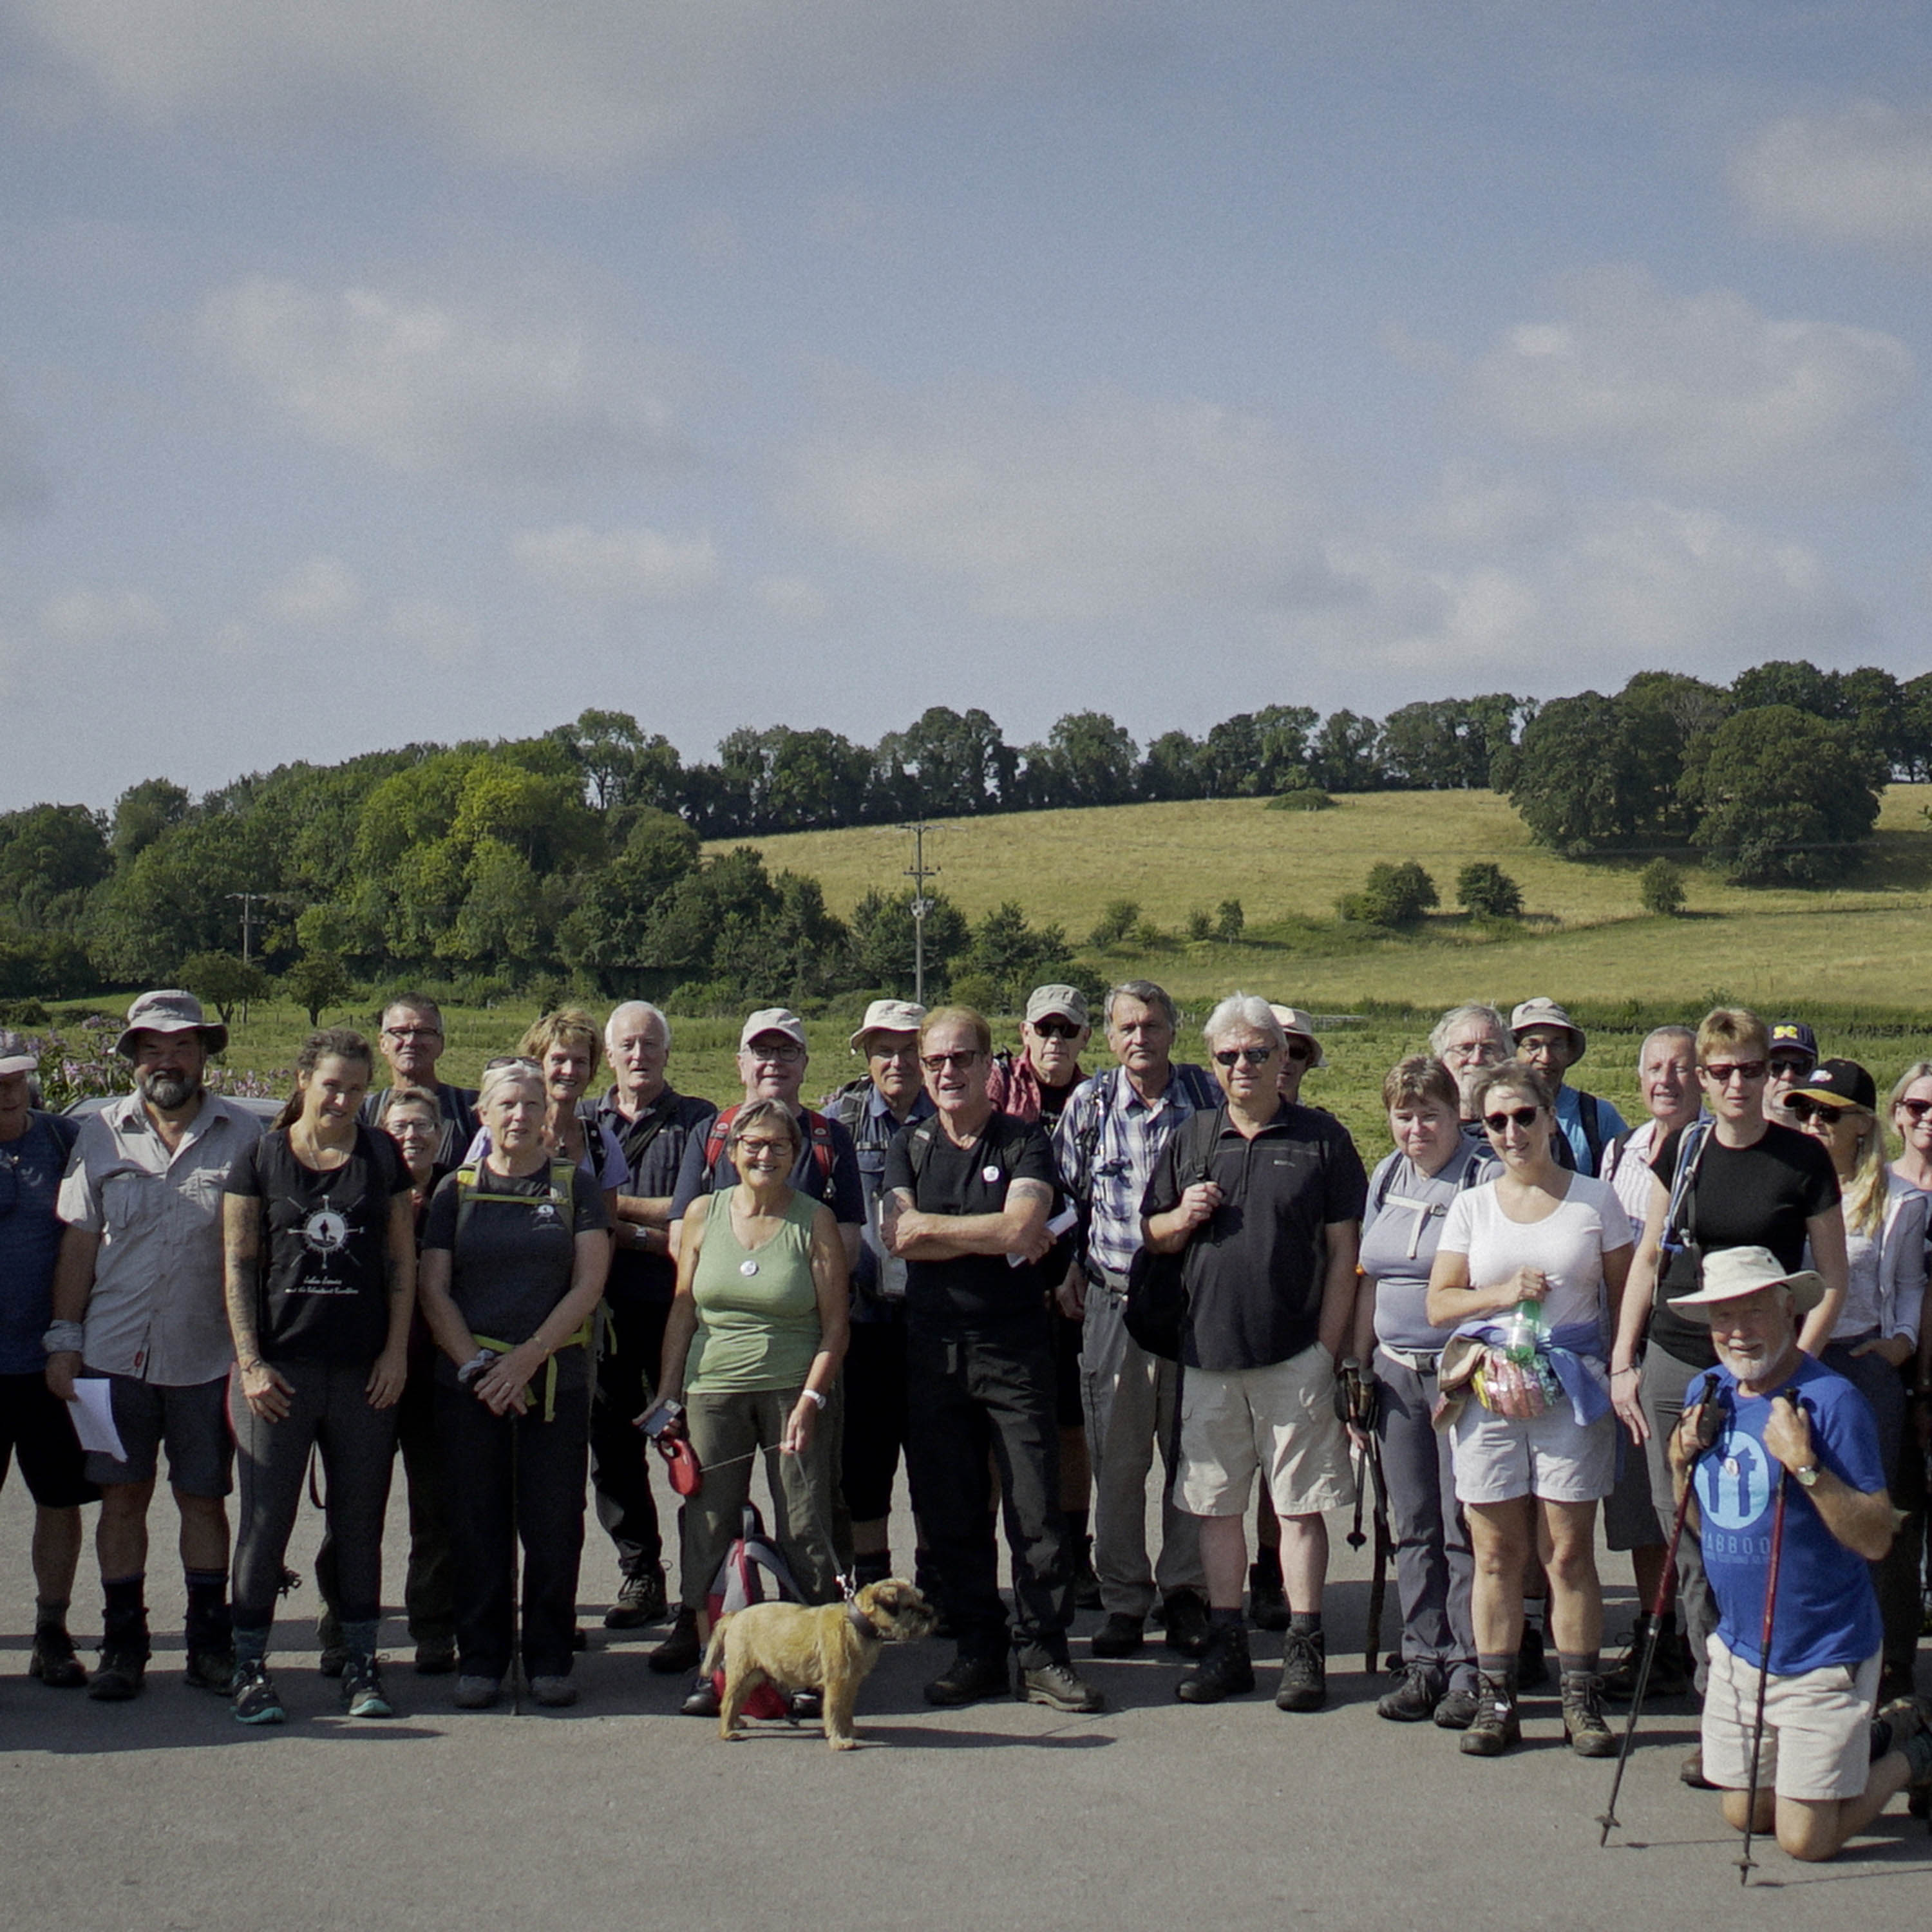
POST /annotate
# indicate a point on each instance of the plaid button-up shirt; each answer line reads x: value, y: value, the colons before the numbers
x: 1107, y: 1143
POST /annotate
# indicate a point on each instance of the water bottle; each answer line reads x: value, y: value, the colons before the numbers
x: 1522, y: 1330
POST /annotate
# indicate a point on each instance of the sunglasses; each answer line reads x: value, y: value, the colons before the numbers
x: 1299, y: 1051
x: 1914, y: 1110
x: 1055, y: 1029
x: 1247, y: 1056
x: 1801, y: 1107
x: 1521, y: 1117
x: 1722, y: 1072
x: 937, y: 1062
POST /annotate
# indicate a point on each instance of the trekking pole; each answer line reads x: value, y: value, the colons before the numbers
x: 516, y: 1567
x: 1384, y: 1543
x: 1667, y: 1587
x: 1745, y: 1862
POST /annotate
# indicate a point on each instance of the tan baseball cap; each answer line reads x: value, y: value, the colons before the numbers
x: 772, y: 1019
x: 888, y: 1016
x: 1068, y: 1002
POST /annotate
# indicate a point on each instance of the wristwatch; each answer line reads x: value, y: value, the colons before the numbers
x: 1807, y: 1476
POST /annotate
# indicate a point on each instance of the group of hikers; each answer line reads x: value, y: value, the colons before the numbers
x: 1031, y: 1284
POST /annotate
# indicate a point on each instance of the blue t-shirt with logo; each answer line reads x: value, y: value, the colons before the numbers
x: 31, y: 1168
x: 1827, y: 1611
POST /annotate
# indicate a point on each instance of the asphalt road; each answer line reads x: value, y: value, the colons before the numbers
x: 165, y: 1814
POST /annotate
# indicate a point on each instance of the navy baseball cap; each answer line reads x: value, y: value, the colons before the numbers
x: 1792, y: 1037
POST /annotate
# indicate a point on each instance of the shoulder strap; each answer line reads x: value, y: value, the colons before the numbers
x: 718, y: 1133
x: 919, y: 1144
x: 1591, y: 1120
x: 819, y: 1129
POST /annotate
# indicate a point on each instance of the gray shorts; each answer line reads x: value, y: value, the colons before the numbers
x: 1498, y: 1460
x: 192, y: 1420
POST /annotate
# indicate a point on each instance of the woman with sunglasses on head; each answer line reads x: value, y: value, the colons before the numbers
x: 1524, y: 1267
x: 751, y: 1348
x: 1410, y: 1193
x: 514, y: 1251
x: 1874, y: 1343
x: 1735, y: 1180
x: 320, y: 1262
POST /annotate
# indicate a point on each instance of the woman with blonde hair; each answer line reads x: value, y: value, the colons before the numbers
x: 1875, y: 1341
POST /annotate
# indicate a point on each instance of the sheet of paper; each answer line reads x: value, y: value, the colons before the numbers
x: 94, y: 1418
x: 1064, y: 1222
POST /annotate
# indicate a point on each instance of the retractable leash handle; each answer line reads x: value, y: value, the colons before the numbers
x: 1667, y: 1586
x: 1746, y: 1864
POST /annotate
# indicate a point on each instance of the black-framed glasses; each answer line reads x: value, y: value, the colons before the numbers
x: 784, y: 1051
x: 1055, y: 1029
x: 1519, y: 1116
x: 1248, y: 1056
x: 937, y: 1062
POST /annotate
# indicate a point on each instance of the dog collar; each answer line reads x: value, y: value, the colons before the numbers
x: 860, y: 1621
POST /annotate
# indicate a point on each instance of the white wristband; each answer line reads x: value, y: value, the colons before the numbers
x: 812, y: 1395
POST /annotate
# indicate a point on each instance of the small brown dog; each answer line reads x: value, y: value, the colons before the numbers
x: 828, y: 1648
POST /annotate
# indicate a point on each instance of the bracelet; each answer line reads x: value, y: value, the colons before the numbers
x: 65, y: 1338
x: 812, y: 1395
x: 1631, y: 1370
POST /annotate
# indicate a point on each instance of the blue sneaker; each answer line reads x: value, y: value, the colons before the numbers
x: 256, y: 1701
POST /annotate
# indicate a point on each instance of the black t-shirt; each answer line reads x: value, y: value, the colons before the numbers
x: 323, y: 1293
x: 513, y: 1253
x: 1758, y: 1196
x: 1255, y: 1270
x: 971, y: 1291
x: 1053, y: 1103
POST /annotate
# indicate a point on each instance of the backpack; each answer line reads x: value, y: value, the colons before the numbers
x: 1482, y: 1166
x: 753, y: 1572
x: 1155, y: 1313
x: 817, y: 1128
x: 562, y: 1193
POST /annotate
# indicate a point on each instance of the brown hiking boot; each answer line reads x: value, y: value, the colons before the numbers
x: 1495, y: 1727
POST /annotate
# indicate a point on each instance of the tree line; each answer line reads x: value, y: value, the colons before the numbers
x: 493, y: 865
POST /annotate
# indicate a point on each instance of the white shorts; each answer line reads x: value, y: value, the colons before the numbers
x: 1280, y: 1419
x: 1497, y: 1460
x: 1817, y: 1728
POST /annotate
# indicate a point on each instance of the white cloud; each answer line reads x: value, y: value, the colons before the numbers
x: 1701, y: 392
x: 424, y: 386
x: 642, y: 564
x: 92, y: 617
x: 444, y: 636
x: 1861, y: 176
x: 1114, y: 504
x: 585, y: 84
x: 322, y: 591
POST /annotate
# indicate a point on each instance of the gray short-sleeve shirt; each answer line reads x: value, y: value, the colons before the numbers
x: 157, y: 1311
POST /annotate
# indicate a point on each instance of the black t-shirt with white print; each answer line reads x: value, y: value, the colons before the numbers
x: 323, y: 1293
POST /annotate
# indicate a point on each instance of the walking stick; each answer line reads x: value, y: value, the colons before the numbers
x: 1379, y: 1576
x: 1667, y: 1586
x: 1744, y: 1861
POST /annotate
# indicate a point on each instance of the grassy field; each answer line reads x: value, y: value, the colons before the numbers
x: 1852, y: 959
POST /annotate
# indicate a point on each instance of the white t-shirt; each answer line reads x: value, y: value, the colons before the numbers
x: 1568, y: 1244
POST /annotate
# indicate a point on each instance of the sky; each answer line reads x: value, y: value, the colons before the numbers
x: 374, y: 371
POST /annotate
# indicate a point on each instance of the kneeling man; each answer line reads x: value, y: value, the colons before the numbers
x: 1771, y: 1415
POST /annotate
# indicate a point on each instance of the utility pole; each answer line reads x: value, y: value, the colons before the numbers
x: 919, y: 871
x: 249, y: 901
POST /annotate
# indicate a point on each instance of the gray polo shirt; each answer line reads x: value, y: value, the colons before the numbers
x: 157, y: 1311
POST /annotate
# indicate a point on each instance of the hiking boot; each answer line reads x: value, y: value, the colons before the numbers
x: 332, y: 1660
x: 211, y: 1670
x: 119, y: 1676
x: 1187, y: 1620
x: 1457, y: 1707
x: 678, y: 1652
x: 436, y: 1656
x: 1415, y: 1698
x: 477, y: 1693
x: 1532, y: 1667
x: 1667, y: 1675
x: 1304, y: 1672
x: 1583, y: 1725
x: 1121, y: 1636
x: 1918, y: 1786
x: 1690, y: 1771
x: 806, y: 1707
x: 1495, y: 1726
x: 1267, y: 1601
x: 966, y: 1680
x: 53, y: 1661
x: 362, y: 1694
x: 641, y: 1600
x: 256, y: 1702
x: 559, y: 1693
x: 1225, y: 1670
x: 1057, y: 1684
x: 1086, y: 1584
